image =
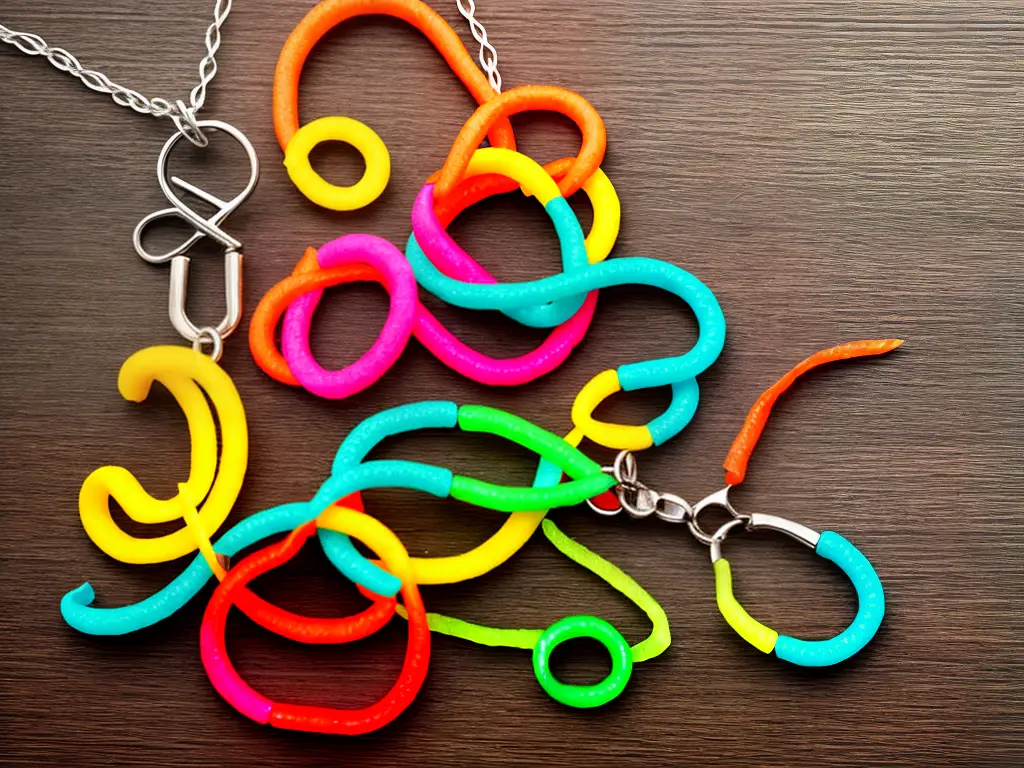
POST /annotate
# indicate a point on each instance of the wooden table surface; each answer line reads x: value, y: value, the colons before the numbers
x: 833, y: 170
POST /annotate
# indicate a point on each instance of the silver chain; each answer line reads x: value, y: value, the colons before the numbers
x: 184, y: 117
x: 488, y: 56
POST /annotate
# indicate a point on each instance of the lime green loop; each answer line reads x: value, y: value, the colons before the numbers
x: 583, y: 696
x: 528, y: 639
x: 661, y: 637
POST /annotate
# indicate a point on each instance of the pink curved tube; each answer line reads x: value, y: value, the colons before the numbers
x: 401, y: 284
x: 407, y: 311
x: 227, y: 681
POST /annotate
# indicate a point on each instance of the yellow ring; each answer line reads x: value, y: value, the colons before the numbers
x: 315, y: 187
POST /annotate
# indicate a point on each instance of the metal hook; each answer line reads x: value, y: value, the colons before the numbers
x: 204, y: 227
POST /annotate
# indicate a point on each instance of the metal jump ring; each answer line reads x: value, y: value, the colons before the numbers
x: 185, y: 120
x: 210, y: 335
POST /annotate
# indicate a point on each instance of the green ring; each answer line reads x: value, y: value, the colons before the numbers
x: 583, y: 696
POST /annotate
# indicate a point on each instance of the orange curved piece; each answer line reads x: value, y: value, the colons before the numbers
x: 739, y: 453
x: 329, y: 13
x: 528, y: 98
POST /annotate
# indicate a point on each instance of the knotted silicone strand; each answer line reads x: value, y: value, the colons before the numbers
x: 652, y: 646
x: 743, y: 445
x: 528, y: 98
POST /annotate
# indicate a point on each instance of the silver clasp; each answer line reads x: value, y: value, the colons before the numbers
x: 638, y: 499
x: 204, y: 227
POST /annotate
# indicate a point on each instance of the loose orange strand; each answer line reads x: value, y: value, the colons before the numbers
x: 739, y: 453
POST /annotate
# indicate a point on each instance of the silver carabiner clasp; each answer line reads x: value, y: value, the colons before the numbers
x: 204, y: 227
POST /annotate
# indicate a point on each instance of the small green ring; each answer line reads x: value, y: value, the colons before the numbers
x: 583, y: 696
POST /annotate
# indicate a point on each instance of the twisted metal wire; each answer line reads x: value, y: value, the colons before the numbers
x: 488, y: 56
x: 183, y: 116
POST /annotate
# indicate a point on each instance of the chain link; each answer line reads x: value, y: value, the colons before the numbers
x: 488, y: 56
x: 184, y: 116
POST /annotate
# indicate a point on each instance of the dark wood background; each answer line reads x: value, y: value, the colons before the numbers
x: 833, y: 170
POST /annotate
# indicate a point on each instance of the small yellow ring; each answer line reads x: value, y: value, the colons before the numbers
x: 315, y: 187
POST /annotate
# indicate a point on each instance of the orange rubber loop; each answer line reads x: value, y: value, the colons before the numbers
x: 329, y: 13
x: 527, y: 98
x: 739, y: 453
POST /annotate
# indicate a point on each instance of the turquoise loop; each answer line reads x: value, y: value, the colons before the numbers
x: 634, y: 270
x: 76, y: 605
x: 871, y: 609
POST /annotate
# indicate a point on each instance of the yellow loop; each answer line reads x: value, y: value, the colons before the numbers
x: 315, y: 187
x: 514, y: 165
x: 607, y: 216
x: 179, y: 369
x: 750, y: 629
x: 620, y: 437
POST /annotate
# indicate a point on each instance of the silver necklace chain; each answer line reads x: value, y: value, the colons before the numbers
x: 184, y: 117
x: 488, y: 56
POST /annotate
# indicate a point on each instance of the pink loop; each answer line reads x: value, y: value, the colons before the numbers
x: 407, y: 315
x: 401, y: 285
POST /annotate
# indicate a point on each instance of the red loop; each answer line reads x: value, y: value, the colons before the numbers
x: 311, y: 718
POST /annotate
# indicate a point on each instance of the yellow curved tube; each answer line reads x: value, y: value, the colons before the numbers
x: 533, y: 179
x: 620, y: 437
x: 179, y: 369
x: 750, y: 629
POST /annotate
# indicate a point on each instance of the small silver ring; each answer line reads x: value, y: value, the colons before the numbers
x: 625, y: 467
x: 646, y: 499
x: 210, y: 336
x: 185, y: 120
x: 717, y: 499
x: 723, y: 530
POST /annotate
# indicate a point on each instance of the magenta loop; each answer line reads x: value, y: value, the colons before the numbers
x: 401, y: 285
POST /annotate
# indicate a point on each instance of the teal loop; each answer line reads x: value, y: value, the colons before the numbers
x: 871, y: 609
x: 678, y: 371
x: 348, y: 478
x: 583, y: 696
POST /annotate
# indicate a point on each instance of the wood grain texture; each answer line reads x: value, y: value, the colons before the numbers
x: 833, y: 170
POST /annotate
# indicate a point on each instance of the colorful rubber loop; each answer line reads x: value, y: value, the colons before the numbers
x: 77, y: 608
x: 303, y: 289
x: 315, y: 187
x: 245, y: 699
x: 297, y: 143
x: 191, y: 377
x: 530, y: 639
x: 810, y: 653
x: 832, y: 546
x: 583, y: 696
